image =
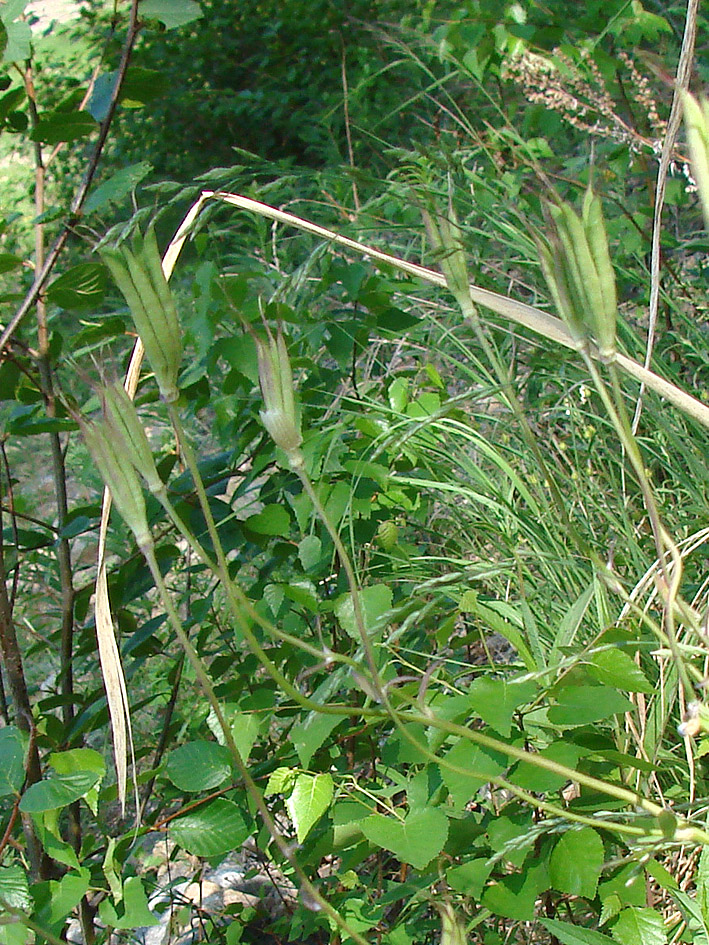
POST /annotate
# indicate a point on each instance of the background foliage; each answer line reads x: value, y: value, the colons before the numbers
x: 522, y: 778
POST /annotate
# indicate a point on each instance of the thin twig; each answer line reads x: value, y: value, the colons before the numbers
x: 80, y: 197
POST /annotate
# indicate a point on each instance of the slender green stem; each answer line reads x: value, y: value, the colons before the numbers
x: 664, y: 544
x: 237, y: 599
x: 205, y: 684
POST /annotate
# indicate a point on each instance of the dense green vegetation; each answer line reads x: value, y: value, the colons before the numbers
x: 406, y: 571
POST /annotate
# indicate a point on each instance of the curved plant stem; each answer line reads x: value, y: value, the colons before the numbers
x: 200, y: 672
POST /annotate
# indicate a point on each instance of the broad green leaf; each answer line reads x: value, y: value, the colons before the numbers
x: 171, y: 13
x: 307, y: 736
x: 57, y: 791
x: 118, y: 186
x: 533, y: 778
x: 12, y: 757
x: 59, y: 126
x: 415, y: 840
x: 513, y: 896
x: 141, y: 86
x: 469, y: 878
x: 198, y: 766
x: 309, y: 551
x: 135, y: 912
x: 211, y: 830
x: 55, y: 899
x: 18, y: 47
x: 376, y: 603
x: 308, y: 801
x: 280, y: 781
x: 481, y: 764
x: 496, y: 699
x: 639, y: 926
x: 14, y: 887
x: 399, y: 394
x: 576, y: 862
x: 580, y: 705
x: 575, y: 934
x: 271, y: 520
x: 615, y: 668
x: 8, y: 262
x: 78, y: 759
x: 245, y: 728
x: 53, y: 844
x: 627, y: 885
x: 80, y: 287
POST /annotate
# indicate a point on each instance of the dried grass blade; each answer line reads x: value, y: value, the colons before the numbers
x: 109, y: 656
x: 527, y: 315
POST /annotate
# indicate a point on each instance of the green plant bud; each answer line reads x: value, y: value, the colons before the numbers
x: 446, y: 238
x: 120, y: 478
x: 122, y: 418
x: 452, y: 929
x: 551, y: 257
x: 605, y: 316
x: 696, y: 118
x: 387, y: 534
x: 138, y: 274
x: 276, y: 379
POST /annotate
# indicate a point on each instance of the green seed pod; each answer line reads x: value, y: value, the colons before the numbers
x: 696, y: 118
x: 120, y: 478
x: 279, y: 415
x: 452, y: 929
x: 387, y: 534
x: 605, y: 315
x: 138, y: 274
x: 122, y: 418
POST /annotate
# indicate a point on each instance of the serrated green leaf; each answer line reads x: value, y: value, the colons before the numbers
x: 14, y: 887
x: 580, y: 705
x: 18, y: 47
x: 198, y: 766
x: 211, y: 830
x: 481, y: 764
x: 495, y: 700
x: 469, y: 878
x: 615, y: 668
x: 533, y: 778
x: 576, y: 862
x: 78, y: 759
x: 307, y: 736
x: 376, y: 603
x: 280, y: 781
x: 309, y: 551
x: 245, y: 728
x: 639, y: 926
x: 308, y: 801
x: 513, y: 897
x: 55, y: 900
x: 416, y: 840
